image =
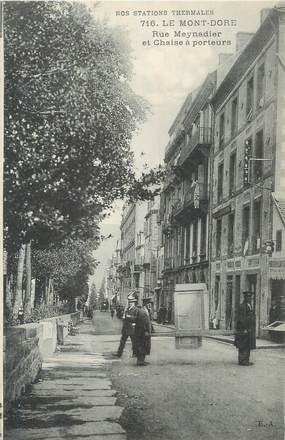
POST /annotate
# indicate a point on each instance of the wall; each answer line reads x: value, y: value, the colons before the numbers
x: 24, y: 349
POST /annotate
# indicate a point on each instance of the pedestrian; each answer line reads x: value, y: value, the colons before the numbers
x: 245, y: 330
x: 163, y: 312
x: 148, y: 309
x: 112, y: 312
x: 128, y: 328
x: 142, y: 336
x: 169, y: 314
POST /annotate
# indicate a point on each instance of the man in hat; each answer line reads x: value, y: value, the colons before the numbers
x: 142, y: 336
x: 148, y: 309
x: 245, y: 330
x: 129, y: 319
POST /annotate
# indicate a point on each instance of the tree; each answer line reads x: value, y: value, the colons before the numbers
x: 69, y: 265
x: 92, y: 297
x: 70, y: 115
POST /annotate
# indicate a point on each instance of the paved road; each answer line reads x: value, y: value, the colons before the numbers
x: 199, y: 394
x: 181, y: 395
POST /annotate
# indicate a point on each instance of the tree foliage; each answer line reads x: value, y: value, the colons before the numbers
x: 69, y: 118
x: 69, y: 265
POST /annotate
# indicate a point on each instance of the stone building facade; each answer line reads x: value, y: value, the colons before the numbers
x: 151, y: 245
x: 185, y: 198
x: 130, y: 270
x: 248, y: 151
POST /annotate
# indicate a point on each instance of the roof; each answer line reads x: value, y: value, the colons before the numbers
x: 247, y: 57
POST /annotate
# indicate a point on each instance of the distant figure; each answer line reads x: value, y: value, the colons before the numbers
x: 163, y: 313
x: 142, y: 336
x: 245, y: 334
x: 112, y: 312
x: 169, y: 314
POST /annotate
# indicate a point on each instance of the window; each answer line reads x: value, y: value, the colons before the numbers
x: 279, y: 240
x: 260, y: 86
x: 187, y: 244
x: 249, y: 99
x: 231, y: 228
x: 195, y: 240
x: 245, y: 229
x: 232, y: 183
x: 256, y: 225
x: 222, y: 130
x: 234, y: 125
x: 217, y: 293
x: 218, y: 237
x: 220, y: 181
x: 258, y: 164
x: 182, y: 244
x: 203, y: 237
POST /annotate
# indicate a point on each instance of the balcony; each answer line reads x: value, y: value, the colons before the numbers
x: 196, y: 194
x: 199, y: 144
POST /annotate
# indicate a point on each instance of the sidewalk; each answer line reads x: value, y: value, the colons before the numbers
x: 169, y: 329
x: 73, y: 399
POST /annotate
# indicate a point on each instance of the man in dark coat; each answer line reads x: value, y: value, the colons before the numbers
x: 245, y: 330
x: 142, y: 336
x: 129, y: 320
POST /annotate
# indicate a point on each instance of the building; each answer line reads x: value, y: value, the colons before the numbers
x: 112, y: 277
x: 248, y: 178
x: 185, y: 195
x: 130, y: 270
x: 151, y: 248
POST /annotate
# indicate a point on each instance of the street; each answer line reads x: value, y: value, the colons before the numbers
x: 181, y: 395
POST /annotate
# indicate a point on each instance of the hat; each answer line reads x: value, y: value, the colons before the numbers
x: 133, y: 297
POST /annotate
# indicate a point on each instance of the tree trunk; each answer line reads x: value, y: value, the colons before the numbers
x: 18, y: 300
x: 28, y: 304
x: 8, y: 295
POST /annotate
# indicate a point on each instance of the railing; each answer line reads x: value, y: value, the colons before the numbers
x: 178, y: 205
x: 202, y: 136
x: 197, y: 192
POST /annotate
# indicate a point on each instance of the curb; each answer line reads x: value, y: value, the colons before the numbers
x: 230, y: 341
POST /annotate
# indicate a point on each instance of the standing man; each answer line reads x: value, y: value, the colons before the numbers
x: 142, y: 336
x: 148, y: 309
x: 129, y: 322
x: 245, y: 330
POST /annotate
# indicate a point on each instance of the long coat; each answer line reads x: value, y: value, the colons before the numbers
x: 245, y: 328
x: 129, y: 319
x: 142, y: 336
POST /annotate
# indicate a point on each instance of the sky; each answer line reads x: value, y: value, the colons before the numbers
x: 164, y: 75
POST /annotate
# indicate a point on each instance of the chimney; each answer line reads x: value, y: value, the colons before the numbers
x: 242, y: 38
x: 263, y: 14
